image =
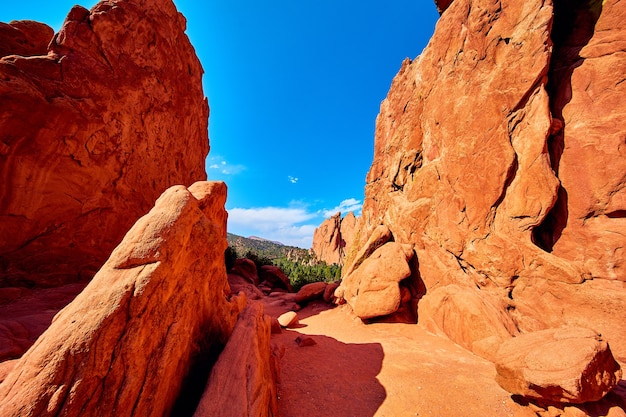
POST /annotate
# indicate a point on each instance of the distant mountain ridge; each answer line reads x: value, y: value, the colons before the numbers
x: 267, y: 248
x: 265, y: 240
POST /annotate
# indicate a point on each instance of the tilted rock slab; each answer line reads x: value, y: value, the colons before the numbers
x: 243, y: 381
x: 501, y: 176
x: 92, y: 131
x: 125, y: 344
x: 569, y: 364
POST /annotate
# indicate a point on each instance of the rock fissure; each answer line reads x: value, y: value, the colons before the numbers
x: 572, y: 29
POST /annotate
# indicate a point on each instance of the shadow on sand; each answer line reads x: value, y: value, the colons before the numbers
x: 330, y: 378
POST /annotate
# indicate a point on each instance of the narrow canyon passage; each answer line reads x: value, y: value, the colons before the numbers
x: 382, y: 370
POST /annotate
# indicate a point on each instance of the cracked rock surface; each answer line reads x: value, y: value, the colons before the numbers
x: 499, y: 157
x: 97, y: 121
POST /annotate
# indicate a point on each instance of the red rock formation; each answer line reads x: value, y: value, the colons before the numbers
x: 246, y: 268
x: 25, y: 318
x: 124, y: 346
x: 568, y: 365
x: 442, y: 5
x: 372, y: 288
x: 334, y: 237
x: 24, y: 37
x: 499, y: 156
x: 243, y: 380
x: 310, y: 292
x: 91, y: 133
x: 274, y: 277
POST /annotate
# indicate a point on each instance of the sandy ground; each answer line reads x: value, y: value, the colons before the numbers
x: 353, y: 369
x: 384, y: 370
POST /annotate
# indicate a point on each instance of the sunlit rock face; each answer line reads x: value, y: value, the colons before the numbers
x: 500, y: 157
x: 150, y: 318
x: 95, y: 123
x: 333, y: 238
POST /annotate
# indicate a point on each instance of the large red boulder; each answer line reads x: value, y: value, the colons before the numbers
x: 93, y: 128
x: 373, y: 288
x: 569, y: 365
x: 153, y: 313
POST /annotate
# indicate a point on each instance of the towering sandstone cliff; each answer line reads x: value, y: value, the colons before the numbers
x: 333, y: 238
x: 93, y: 128
x: 500, y: 158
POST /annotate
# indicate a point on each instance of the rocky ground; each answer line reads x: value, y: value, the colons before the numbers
x: 332, y: 364
x: 384, y: 369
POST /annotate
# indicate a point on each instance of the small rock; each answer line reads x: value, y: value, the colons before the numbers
x: 288, y: 319
x: 304, y: 341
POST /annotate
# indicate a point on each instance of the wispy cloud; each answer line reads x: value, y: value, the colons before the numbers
x: 350, y: 204
x: 292, y: 180
x: 217, y: 164
x: 293, y: 225
x: 286, y: 225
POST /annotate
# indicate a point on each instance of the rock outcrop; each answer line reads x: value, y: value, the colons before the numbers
x: 153, y: 312
x: 333, y: 238
x: 373, y: 288
x: 569, y: 365
x: 94, y: 128
x: 24, y: 37
x: 499, y: 157
x: 273, y: 278
x: 243, y: 381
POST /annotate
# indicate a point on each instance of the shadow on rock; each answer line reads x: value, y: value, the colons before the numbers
x: 607, y: 406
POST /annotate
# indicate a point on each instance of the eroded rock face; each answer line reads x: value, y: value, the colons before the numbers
x: 373, y: 288
x: 499, y: 158
x: 24, y: 37
x: 243, y: 381
x: 124, y: 346
x: 93, y: 129
x: 569, y: 364
x: 333, y: 238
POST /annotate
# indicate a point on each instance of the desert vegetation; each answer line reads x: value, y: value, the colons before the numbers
x: 300, y: 265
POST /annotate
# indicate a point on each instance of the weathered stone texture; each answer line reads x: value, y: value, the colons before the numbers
x: 243, y: 381
x: 124, y: 346
x: 92, y: 131
x: 499, y: 157
x: 333, y: 238
x: 569, y: 365
x: 24, y: 37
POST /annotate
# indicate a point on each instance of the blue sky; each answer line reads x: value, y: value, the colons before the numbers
x: 294, y: 89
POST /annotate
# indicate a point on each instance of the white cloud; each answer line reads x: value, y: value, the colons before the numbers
x: 217, y: 164
x: 281, y: 224
x: 350, y: 204
x: 292, y: 180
